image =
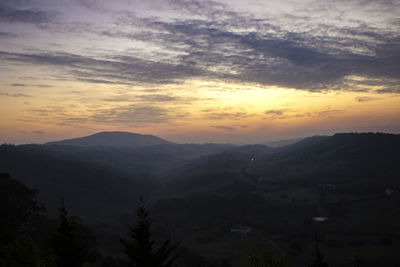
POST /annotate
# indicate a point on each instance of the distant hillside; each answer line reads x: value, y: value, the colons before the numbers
x: 113, y: 139
x: 347, y: 157
x: 92, y: 191
x: 100, y: 175
x: 284, y: 142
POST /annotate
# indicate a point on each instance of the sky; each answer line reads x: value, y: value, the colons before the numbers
x: 193, y: 71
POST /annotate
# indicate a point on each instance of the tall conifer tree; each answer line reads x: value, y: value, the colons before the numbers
x: 68, y: 250
x: 319, y: 258
x: 140, y: 247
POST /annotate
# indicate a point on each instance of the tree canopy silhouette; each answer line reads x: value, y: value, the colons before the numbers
x: 19, y: 209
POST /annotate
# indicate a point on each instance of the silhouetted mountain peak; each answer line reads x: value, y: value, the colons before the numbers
x: 113, y: 139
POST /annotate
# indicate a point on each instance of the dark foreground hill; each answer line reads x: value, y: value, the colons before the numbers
x: 113, y: 139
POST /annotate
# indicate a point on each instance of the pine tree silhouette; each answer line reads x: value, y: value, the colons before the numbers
x: 357, y: 260
x: 69, y: 251
x: 140, y: 248
x: 319, y: 259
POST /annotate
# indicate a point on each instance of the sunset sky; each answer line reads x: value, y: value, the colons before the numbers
x: 198, y: 71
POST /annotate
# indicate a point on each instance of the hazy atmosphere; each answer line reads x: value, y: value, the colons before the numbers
x: 198, y: 71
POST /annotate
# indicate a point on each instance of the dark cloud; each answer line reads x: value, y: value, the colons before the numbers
x: 388, y: 90
x: 43, y: 85
x: 25, y: 85
x: 8, y: 35
x: 226, y: 128
x: 38, y: 132
x: 89, y: 3
x: 15, y: 3
x: 210, y: 9
x: 32, y: 16
x: 89, y: 80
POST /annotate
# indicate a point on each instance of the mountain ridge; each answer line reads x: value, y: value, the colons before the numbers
x: 113, y: 139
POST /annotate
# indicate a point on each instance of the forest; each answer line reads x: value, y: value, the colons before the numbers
x: 322, y: 201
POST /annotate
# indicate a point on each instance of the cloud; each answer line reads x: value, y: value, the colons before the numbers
x: 210, y: 40
x: 163, y: 98
x: 14, y: 95
x: 281, y: 113
x: 330, y: 113
x: 136, y: 114
x: 32, y: 132
x: 271, y: 55
x: 117, y: 70
x: 25, y: 85
x: 275, y: 112
x: 286, y: 113
x: 49, y: 111
x: 365, y: 98
x: 159, y: 98
x: 226, y: 113
x: 226, y: 128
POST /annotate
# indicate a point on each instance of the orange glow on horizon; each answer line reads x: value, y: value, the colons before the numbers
x: 195, y: 111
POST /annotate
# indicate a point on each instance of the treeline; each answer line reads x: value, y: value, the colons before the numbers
x: 29, y: 238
